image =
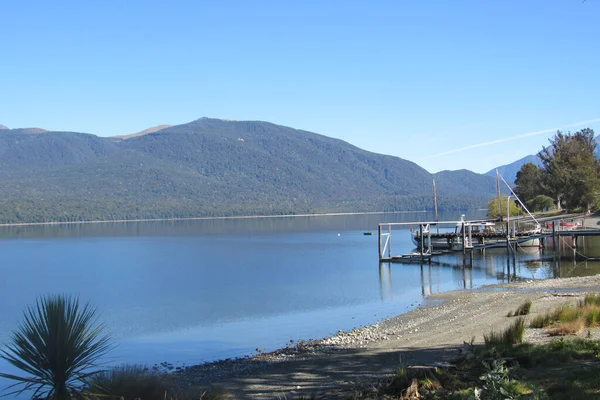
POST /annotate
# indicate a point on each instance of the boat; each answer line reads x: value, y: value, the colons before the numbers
x: 474, y: 233
x: 565, y: 226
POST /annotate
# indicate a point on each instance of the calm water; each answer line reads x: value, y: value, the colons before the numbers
x: 192, y: 291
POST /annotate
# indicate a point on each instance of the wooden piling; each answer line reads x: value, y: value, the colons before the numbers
x: 379, y: 236
x: 422, y: 239
x: 464, y: 239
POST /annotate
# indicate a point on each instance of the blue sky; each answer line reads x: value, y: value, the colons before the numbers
x: 446, y: 84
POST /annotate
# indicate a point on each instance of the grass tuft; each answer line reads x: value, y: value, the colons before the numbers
x: 137, y: 382
x: 129, y: 382
x: 592, y: 299
x: 568, y: 314
x: 430, y: 383
x: 592, y: 316
x: 511, y: 335
x: 524, y: 308
x: 567, y: 328
x: 569, y: 319
x: 541, y: 321
x: 399, y: 382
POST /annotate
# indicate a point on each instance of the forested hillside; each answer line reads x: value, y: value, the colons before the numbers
x: 213, y: 167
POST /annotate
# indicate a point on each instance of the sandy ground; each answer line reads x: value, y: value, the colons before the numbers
x: 424, y: 336
x: 592, y: 221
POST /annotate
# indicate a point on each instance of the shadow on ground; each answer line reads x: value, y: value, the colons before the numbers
x: 331, y: 375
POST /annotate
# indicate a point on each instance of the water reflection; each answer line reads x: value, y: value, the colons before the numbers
x: 526, y: 263
x: 385, y: 281
x: 211, y: 226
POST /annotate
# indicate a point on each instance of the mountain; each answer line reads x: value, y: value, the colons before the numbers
x: 4, y: 130
x: 212, y: 167
x: 144, y: 132
x: 509, y: 171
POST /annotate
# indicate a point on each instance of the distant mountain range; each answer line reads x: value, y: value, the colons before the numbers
x: 509, y: 171
x: 212, y: 167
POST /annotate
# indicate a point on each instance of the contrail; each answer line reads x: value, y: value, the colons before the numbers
x: 508, y: 139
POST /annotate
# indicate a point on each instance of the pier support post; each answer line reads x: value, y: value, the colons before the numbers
x: 464, y: 240
x: 558, y: 239
x: 389, y: 241
x: 422, y: 240
x: 471, y: 257
x: 554, y: 236
x: 379, y: 237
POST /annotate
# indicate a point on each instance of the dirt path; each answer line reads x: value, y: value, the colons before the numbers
x: 423, y: 336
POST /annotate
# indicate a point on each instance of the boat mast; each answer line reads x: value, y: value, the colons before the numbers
x: 499, y: 196
x: 435, y: 207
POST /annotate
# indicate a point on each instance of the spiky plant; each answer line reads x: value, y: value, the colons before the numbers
x: 57, y: 346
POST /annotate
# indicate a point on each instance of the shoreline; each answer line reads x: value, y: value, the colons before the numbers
x: 592, y: 221
x: 430, y: 333
x: 208, y: 218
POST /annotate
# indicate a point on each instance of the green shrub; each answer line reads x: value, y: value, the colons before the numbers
x: 497, y: 384
x: 554, y: 353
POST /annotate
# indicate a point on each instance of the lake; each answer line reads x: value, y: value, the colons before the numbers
x: 187, y: 292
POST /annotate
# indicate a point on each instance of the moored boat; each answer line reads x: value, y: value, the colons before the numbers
x: 473, y: 233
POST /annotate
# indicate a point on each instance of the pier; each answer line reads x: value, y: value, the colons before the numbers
x: 433, y: 238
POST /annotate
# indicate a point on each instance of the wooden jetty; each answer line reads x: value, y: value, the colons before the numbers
x: 465, y: 239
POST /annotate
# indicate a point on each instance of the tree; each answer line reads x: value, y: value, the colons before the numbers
x: 571, y: 169
x: 493, y: 209
x: 57, y: 346
x: 529, y: 183
x: 541, y: 203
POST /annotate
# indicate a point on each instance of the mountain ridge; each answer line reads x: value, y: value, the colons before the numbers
x: 509, y: 171
x: 213, y: 167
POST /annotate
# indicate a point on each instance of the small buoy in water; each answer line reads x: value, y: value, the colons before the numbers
x: 339, y: 234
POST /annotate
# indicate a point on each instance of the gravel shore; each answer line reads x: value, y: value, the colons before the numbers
x: 426, y: 335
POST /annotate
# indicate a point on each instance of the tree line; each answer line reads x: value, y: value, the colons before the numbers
x: 567, y: 178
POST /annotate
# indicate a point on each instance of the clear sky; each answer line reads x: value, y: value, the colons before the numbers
x: 416, y: 79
